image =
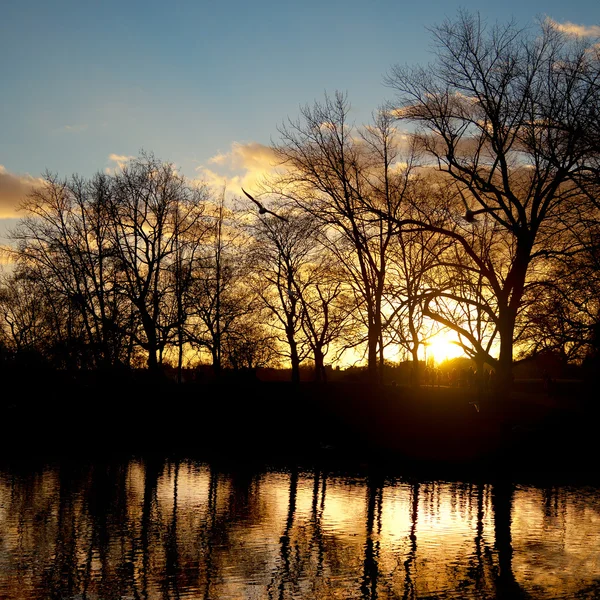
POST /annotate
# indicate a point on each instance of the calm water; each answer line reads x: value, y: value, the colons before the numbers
x: 161, y: 529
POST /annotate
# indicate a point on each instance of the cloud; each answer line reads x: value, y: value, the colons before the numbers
x: 13, y: 189
x: 574, y: 29
x: 245, y: 165
x: 120, y: 161
x: 75, y: 128
x: 248, y: 156
x: 218, y: 159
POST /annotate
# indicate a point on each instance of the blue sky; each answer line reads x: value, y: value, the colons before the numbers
x: 82, y: 80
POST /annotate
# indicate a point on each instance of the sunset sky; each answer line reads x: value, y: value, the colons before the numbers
x: 201, y: 84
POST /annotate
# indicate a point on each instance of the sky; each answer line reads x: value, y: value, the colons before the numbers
x: 86, y: 84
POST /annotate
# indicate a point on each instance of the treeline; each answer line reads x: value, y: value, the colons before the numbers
x: 483, y: 220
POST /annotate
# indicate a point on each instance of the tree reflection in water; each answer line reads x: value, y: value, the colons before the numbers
x: 171, y: 582
x: 173, y: 529
x: 209, y: 534
x: 502, y: 505
x: 368, y: 585
x: 282, y: 573
x: 409, y: 585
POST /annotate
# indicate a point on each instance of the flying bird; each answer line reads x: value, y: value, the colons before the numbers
x: 261, y: 209
x: 470, y: 214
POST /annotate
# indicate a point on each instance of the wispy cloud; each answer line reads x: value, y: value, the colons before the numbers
x: 75, y: 128
x: 575, y: 29
x: 13, y: 190
x: 119, y: 160
x: 218, y: 159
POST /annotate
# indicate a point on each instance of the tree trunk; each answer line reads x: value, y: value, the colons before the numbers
x: 216, y: 358
x: 373, y: 339
x: 179, y: 357
x: 504, y: 376
x: 502, y: 506
x: 508, y: 316
x: 415, y: 373
x: 319, y: 366
x: 479, y: 376
x: 151, y: 344
x: 152, y: 359
x: 294, y: 359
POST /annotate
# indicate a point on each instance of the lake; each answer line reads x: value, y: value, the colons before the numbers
x: 150, y: 528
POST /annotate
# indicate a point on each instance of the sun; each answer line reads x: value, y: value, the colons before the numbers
x: 442, y: 346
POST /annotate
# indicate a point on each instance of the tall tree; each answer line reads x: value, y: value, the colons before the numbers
x: 283, y: 250
x: 332, y: 171
x: 504, y: 114
x: 565, y: 316
x: 414, y: 270
x: 153, y: 213
x: 219, y: 297
x: 327, y: 306
x: 63, y: 242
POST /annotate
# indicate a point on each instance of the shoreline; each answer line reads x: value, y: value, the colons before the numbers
x: 429, y: 430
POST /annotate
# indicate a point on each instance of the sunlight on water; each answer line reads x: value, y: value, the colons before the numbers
x: 155, y: 529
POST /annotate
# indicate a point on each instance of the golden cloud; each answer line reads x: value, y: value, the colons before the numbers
x: 248, y: 156
x: 13, y: 190
x: 218, y: 159
x: 574, y: 29
x: 119, y: 159
x: 245, y: 165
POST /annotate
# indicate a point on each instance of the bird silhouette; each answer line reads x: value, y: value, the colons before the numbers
x: 470, y: 214
x: 261, y: 209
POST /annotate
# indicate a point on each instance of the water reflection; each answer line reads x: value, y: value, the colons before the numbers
x: 180, y: 529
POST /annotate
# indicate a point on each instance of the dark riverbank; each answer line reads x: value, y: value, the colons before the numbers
x: 440, y: 430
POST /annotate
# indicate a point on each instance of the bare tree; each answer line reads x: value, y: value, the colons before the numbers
x: 249, y: 346
x: 414, y: 271
x: 460, y: 297
x: 566, y: 313
x: 63, y: 241
x: 327, y: 307
x: 504, y: 115
x: 25, y: 323
x: 220, y: 297
x: 283, y: 250
x: 153, y: 211
x: 332, y: 171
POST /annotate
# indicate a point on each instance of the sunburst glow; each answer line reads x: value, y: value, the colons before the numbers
x: 442, y: 347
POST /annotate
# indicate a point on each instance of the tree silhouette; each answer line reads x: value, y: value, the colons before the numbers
x: 504, y: 115
x: 333, y: 171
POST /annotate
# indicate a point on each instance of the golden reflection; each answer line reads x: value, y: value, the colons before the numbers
x: 172, y: 529
x: 556, y: 538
